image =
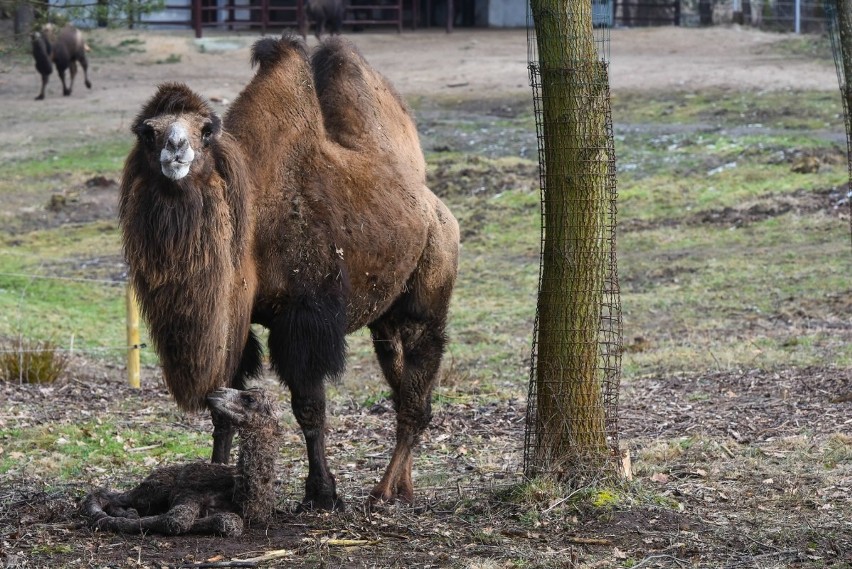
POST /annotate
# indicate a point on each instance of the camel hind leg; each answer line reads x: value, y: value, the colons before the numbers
x: 409, y: 344
x: 409, y: 341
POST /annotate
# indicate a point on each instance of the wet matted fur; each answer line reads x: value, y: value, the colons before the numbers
x: 203, y: 497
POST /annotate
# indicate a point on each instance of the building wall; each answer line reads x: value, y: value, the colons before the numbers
x: 506, y: 14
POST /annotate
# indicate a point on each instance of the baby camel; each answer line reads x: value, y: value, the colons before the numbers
x: 202, y: 497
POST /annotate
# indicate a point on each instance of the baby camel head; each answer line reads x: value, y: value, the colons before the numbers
x: 249, y: 408
x: 174, y: 131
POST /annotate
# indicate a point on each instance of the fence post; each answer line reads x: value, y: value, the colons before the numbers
x: 133, y: 344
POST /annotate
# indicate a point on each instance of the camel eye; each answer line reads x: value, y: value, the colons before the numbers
x: 206, y: 133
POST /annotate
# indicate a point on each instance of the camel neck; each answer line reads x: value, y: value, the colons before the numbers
x: 256, y: 465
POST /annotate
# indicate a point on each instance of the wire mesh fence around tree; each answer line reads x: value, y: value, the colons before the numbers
x: 838, y: 21
x: 572, y: 415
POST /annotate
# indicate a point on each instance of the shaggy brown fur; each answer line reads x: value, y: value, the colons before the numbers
x: 313, y: 220
x: 64, y: 52
x: 204, y: 497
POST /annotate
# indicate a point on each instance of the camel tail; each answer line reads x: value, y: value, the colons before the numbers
x: 269, y: 51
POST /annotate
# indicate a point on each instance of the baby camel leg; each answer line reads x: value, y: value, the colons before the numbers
x: 179, y: 519
x: 409, y: 348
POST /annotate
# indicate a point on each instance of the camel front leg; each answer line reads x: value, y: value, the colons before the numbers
x: 307, y: 344
x: 309, y: 409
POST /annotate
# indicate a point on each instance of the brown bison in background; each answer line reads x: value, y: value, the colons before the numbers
x: 64, y: 51
x: 324, y: 14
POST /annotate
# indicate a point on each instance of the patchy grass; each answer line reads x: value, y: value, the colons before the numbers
x: 734, y: 264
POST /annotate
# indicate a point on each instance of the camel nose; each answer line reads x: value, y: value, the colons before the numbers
x: 177, y: 139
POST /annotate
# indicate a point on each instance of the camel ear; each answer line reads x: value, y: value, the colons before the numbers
x: 212, y: 129
x: 215, y: 125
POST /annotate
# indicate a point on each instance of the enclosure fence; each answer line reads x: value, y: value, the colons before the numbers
x: 28, y: 354
x: 576, y: 352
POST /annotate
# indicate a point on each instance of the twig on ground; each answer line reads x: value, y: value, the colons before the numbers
x: 350, y: 542
x: 268, y: 556
x: 651, y: 558
x: 211, y: 564
x: 588, y: 540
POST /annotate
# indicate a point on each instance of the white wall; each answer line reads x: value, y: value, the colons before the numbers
x: 507, y: 13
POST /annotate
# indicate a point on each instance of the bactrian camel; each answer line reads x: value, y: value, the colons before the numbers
x: 305, y: 211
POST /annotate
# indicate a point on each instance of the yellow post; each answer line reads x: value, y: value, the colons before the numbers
x: 133, y: 344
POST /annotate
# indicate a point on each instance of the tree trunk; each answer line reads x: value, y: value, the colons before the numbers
x: 24, y: 18
x: 844, y: 28
x: 570, y: 429
x: 705, y: 12
x: 843, y: 60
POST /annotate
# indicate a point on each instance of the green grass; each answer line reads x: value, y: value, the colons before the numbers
x: 105, y: 156
x: 68, y: 451
x: 701, y: 294
x: 782, y: 110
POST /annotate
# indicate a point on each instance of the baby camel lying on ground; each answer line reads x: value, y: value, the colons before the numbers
x: 203, y: 497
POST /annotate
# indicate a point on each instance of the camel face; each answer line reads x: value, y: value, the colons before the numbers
x: 242, y: 407
x: 176, y: 143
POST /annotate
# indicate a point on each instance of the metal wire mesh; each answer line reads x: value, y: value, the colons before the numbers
x: 833, y: 24
x: 572, y: 414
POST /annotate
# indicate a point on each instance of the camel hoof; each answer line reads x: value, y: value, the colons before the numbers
x: 40, y: 98
x: 66, y: 93
x: 379, y: 499
x: 88, y: 84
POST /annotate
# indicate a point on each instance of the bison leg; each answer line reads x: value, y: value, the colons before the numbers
x: 65, y: 90
x: 72, y: 67
x: 307, y: 344
x: 84, y: 63
x: 43, y: 85
x: 409, y: 347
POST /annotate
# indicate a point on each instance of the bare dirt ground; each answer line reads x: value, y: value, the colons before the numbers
x: 480, y: 64
x: 727, y: 445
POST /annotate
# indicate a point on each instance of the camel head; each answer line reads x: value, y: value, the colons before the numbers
x: 249, y: 408
x: 174, y: 131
